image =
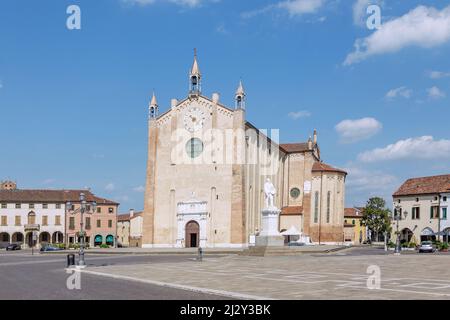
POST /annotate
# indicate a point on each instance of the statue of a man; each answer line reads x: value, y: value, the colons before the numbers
x: 270, y: 192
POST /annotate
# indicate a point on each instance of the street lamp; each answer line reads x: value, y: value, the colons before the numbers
x: 82, y: 210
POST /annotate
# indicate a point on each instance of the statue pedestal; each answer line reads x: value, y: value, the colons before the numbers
x: 270, y: 236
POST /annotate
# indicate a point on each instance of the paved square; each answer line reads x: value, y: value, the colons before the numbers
x: 409, y: 276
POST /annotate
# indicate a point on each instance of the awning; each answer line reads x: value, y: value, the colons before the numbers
x: 291, y: 232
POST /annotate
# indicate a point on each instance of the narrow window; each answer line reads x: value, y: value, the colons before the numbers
x: 72, y: 223
x: 316, y: 207
x: 328, y: 206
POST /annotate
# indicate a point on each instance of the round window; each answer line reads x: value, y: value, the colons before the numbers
x: 295, y: 193
x: 194, y: 147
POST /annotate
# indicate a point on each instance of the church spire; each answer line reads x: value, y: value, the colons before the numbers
x: 195, y: 77
x: 240, y: 96
x: 153, y: 107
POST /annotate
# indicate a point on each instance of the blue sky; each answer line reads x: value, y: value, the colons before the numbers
x: 74, y: 102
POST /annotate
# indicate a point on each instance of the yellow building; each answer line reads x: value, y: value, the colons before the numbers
x: 354, y: 230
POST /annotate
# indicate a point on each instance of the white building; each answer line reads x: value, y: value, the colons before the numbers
x: 423, y: 206
x: 23, y: 212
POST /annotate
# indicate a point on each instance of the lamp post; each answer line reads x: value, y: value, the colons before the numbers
x: 82, y: 210
x: 397, y: 217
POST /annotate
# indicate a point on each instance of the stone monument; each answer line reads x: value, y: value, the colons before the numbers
x: 270, y: 236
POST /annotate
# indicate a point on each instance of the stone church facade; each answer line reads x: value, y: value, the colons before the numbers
x: 206, y: 169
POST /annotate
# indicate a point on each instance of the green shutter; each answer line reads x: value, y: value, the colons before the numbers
x: 431, y: 213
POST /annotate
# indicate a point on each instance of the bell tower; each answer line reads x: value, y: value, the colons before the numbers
x: 195, y: 77
x: 153, y: 108
x: 240, y: 97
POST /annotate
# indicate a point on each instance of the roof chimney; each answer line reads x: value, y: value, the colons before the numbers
x: 131, y: 213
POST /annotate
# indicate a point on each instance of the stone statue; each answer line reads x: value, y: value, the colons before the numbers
x: 270, y: 192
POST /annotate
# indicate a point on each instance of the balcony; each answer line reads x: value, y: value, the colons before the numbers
x: 32, y: 227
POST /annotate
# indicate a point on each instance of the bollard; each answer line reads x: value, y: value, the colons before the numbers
x: 70, y: 260
x: 200, y: 254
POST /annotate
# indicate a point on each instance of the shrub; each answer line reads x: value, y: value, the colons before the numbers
x: 391, y: 244
x: 444, y: 246
x: 405, y: 245
x: 104, y: 246
x: 412, y: 245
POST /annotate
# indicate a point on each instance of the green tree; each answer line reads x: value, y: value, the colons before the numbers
x: 376, y: 216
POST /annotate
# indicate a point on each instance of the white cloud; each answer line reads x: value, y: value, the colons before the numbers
x: 293, y: 7
x: 361, y: 184
x: 438, y: 74
x: 139, y: 189
x: 413, y: 148
x: 351, y: 131
x: 299, y: 114
x: 424, y: 27
x: 359, y: 11
x: 435, y: 93
x: 186, y: 3
x: 299, y: 7
x: 48, y: 181
x: 399, y: 92
x: 110, y: 187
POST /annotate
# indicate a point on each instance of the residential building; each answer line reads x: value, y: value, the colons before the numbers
x: 100, y: 226
x: 123, y: 230
x: 43, y: 213
x: 129, y: 229
x: 355, y: 231
x: 204, y: 188
x: 423, y: 208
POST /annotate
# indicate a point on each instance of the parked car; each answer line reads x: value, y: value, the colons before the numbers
x: 13, y: 247
x: 427, y: 246
x: 50, y: 248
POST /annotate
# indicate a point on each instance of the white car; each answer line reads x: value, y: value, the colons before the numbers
x: 427, y: 246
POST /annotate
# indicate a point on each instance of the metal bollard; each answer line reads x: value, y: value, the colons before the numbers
x: 200, y: 254
x: 70, y: 260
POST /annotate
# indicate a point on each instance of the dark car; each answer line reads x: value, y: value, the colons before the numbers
x: 13, y: 247
x: 50, y: 248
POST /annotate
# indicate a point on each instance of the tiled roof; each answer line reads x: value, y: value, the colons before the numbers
x: 295, y: 147
x: 126, y: 216
x: 323, y: 167
x: 292, y: 211
x: 44, y: 196
x: 425, y: 185
x: 352, y: 213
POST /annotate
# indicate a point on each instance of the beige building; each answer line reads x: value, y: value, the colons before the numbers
x: 206, y: 168
x: 423, y: 207
x: 129, y: 229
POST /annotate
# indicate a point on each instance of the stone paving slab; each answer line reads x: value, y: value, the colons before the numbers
x: 300, y: 277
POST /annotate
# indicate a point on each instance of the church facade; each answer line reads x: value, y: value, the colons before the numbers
x: 205, y: 174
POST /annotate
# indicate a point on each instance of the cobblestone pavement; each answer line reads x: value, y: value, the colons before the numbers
x: 298, y: 277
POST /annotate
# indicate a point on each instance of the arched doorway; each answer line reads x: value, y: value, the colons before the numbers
x: 17, y: 238
x: 192, y: 234
x: 4, y: 239
x: 446, y: 236
x: 29, y: 240
x: 44, y: 238
x: 406, y: 235
x: 110, y: 240
x: 98, y: 240
x: 57, y: 237
x: 427, y: 234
